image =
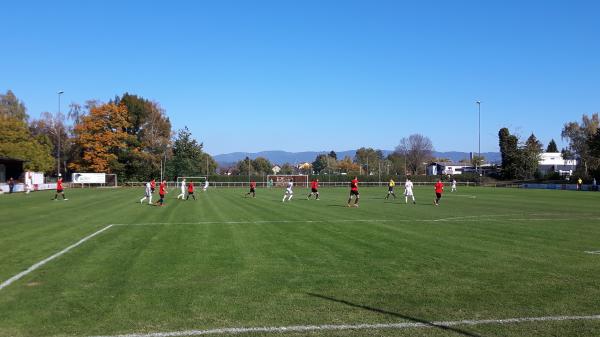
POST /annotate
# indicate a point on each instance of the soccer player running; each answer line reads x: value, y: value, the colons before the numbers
x: 453, y: 185
x: 354, y: 192
x: 205, y: 185
x: 182, y: 194
x: 439, y: 189
x: 391, y: 186
x: 59, y: 188
x: 190, y: 189
x: 148, y: 194
x: 314, y: 189
x: 162, y: 190
x: 152, y: 185
x: 252, y: 189
x: 289, y: 193
x: 408, y: 191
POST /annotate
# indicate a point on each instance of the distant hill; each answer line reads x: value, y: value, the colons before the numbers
x: 281, y: 157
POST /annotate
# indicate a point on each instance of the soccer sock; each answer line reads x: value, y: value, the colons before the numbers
x: 290, y: 197
x: 317, y: 195
x: 150, y: 199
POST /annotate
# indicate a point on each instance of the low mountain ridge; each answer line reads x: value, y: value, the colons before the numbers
x: 281, y: 157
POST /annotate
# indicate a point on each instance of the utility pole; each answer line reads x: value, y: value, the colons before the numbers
x: 479, y: 135
x: 58, y: 134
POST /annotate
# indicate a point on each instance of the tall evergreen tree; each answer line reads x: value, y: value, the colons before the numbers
x: 12, y: 107
x: 187, y: 159
x: 320, y: 163
x: 552, y: 146
x: 530, y: 157
x: 509, y: 151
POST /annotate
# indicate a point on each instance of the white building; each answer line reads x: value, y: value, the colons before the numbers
x: 554, y: 162
x: 434, y: 169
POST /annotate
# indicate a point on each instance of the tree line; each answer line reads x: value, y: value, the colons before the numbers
x: 520, y: 160
x: 129, y: 136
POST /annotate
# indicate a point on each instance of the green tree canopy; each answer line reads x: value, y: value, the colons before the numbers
x: 578, y: 135
x: 17, y: 142
x: 187, y: 159
x: 262, y: 165
x: 12, y: 107
x: 320, y: 163
x: 150, y: 129
x: 552, y: 146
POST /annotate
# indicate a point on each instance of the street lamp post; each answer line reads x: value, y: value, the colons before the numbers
x: 479, y: 135
x: 58, y: 135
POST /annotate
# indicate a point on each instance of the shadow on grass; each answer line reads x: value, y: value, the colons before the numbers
x: 395, y: 314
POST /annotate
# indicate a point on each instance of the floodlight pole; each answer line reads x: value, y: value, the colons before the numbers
x: 479, y: 135
x: 58, y: 135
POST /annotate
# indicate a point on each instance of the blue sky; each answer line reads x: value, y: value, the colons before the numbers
x: 315, y: 75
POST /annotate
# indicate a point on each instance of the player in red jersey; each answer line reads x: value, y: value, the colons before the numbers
x: 152, y: 185
x: 162, y: 190
x: 354, y: 192
x: 439, y: 189
x: 252, y: 189
x: 314, y: 189
x: 59, y: 188
x: 190, y: 189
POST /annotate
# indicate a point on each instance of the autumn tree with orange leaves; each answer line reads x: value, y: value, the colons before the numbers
x: 100, y: 135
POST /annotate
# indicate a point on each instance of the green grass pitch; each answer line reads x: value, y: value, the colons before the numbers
x: 226, y: 261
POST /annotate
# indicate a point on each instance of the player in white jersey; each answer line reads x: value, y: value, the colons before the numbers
x: 147, y: 195
x: 205, y: 185
x: 288, y: 191
x: 408, y: 191
x: 453, y: 185
x: 28, y: 183
x: 182, y: 194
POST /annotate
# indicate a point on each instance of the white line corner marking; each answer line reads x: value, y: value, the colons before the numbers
x: 48, y: 259
x: 330, y: 327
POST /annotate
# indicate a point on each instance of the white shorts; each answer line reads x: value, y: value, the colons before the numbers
x: 408, y: 193
x: 288, y: 191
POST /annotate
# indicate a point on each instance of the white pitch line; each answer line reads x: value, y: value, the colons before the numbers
x: 250, y: 222
x: 331, y: 327
x: 48, y: 259
x: 462, y: 195
x: 597, y: 252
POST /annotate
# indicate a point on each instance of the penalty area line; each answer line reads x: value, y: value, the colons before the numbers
x: 50, y: 258
x: 334, y: 327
